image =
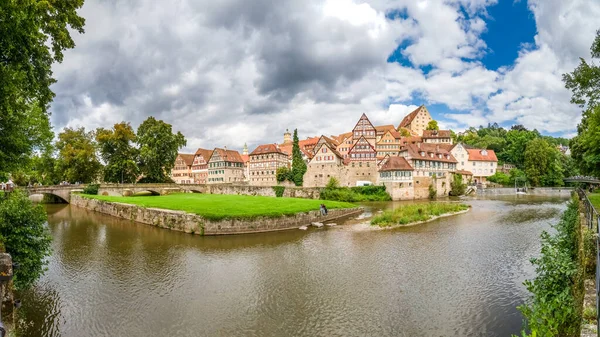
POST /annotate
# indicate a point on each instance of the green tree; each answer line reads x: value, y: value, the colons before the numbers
x: 77, y: 158
x: 516, y: 143
x: 158, y: 147
x: 500, y: 178
x: 542, y: 164
x: 283, y: 173
x: 25, y: 237
x: 457, y: 187
x: 33, y: 35
x: 432, y: 125
x: 584, y: 81
x: 404, y: 132
x: 118, y: 152
x: 298, y: 164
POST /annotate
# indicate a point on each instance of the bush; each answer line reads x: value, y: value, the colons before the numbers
x: 589, y: 251
x: 432, y: 192
x: 500, y: 178
x: 416, y: 212
x: 332, y: 183
x: 355, y: 194
x: 557, y: 290
x: 456, y: 186
x: 279, y: 191
x: 283, y: 174
x: 91, y: 189
x: 25, y: 237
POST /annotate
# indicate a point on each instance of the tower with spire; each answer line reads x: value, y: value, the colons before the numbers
x: 287, y: 137
x: 245, y: 151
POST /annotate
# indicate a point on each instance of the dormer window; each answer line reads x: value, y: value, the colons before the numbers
x: 483, y: 152
x: 431, y: 154
x: 440, y: 155
x: 422, y: 154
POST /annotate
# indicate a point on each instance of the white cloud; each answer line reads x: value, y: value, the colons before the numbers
x: 234, y: 71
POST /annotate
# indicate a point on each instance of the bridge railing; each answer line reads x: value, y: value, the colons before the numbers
x: 592, y: 220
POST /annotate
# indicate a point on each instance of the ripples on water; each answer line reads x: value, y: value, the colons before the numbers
x: 457, y: 276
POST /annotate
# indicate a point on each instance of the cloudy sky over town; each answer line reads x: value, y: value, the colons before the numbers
x: 233, y: 71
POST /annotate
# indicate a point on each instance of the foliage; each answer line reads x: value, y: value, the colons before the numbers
x: 279, y: 191
x: 500, y: 178
x: 432, y: 125
x: 432, y: 192
x: 584, y: 81
x: 34, y: 35
x: 557, y: 290
x: 332, y: 183
x: 542, y: 164
x: 457, y: 187
x: 91, y: 189
x: 158, y: 147
x: 590, y: 251
x: 298, y: 164
x: 283, y: 173
x: 355, y: 194
x: 118, y: 152
x: 25, y: 237
x: 218, y: 207
x: 404, y: 132
x: 416, y: 212
x: 77, y: 158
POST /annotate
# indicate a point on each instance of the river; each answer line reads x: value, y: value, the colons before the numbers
x: 456, y: 276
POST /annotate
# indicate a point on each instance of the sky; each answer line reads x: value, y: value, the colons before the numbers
x: 230, y: 72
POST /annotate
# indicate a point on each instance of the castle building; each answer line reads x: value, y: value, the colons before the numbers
x: 263, y: 164
x: 225, y: 166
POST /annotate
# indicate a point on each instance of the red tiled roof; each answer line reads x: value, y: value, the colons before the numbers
x: 266, y: 148
x: 332, y: 146
x: 384, y: 128
x: 409, y: 118
x: 188, y: 159
x: 436, y: 134
x: 477, y: 155
x: 230, y: 155
x: 205, y: 153
x: 414, y: 150
x: 245, y: 158
x: 412, y: 139
x: 396, y: 164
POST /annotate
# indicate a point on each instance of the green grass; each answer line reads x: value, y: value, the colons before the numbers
x: 356, y: 194
x: 415, y: 213
x: 218, y: 207
x: 595, y: 199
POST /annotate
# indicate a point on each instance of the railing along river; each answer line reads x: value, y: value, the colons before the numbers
x: 592, y: 220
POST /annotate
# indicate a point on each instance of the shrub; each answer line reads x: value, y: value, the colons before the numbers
x: 355, y: 194
x: 283, y: 173
x: 456, y: 186
x: 333, y: 183
x: 91, y: 189
x: 432, y: 192
x: 416, y: 212
x: 279, y: 191
x: 500, y: 178
x: 554, y: 308
x: 589, y: 251
x: 25, y: 237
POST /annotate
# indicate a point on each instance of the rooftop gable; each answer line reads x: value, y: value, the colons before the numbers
x: 396, y: 163
x: 482, y: 155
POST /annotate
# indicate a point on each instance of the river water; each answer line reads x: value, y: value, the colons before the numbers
x: 456, y: 276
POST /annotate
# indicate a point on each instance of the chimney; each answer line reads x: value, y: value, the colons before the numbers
x: 437, y: 148
x: 419, y: 145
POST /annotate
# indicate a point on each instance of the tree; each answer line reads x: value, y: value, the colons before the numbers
x: 457, y: 187
x: 25, y: 237
x: 298, y: 164
x: 542, y: 164
x: 283, y: 173
x: 119, y: 154
x: 158, y: 147
x: 500, y: 178
x: 77, y: 158
x: 404, y: 132
x: 584, y: 81
x: 516, y: 143
x: 33, y: 35
x: 432, y: 125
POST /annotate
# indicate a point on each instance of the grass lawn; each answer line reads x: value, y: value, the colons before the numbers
x: 415, y: 213
x: 595, y: 199
x: 217, y: 207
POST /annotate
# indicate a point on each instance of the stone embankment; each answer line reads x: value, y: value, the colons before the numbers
x: 196, y: 224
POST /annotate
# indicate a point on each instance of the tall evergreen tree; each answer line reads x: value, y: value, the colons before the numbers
x: 298, y: 164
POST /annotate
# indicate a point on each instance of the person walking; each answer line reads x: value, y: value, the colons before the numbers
x: 325, y: 209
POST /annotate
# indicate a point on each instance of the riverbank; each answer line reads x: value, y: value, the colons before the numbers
x: 221, y: 214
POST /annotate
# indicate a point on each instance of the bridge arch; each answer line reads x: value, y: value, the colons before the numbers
x: 50, y: 197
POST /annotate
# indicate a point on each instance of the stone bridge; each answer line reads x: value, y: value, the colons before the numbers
x: 64, y: 191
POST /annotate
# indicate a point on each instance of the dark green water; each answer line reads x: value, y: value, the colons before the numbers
x: 457, y: 276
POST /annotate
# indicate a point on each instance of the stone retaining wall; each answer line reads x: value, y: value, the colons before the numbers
x: 266, y: 191
x: 192, y: 223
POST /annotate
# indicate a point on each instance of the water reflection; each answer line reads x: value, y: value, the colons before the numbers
x: 457, y: 276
